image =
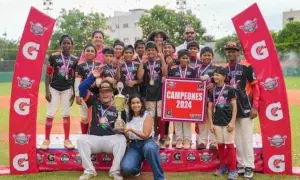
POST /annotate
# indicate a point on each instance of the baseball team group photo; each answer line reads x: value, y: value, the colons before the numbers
x: 166, y: 90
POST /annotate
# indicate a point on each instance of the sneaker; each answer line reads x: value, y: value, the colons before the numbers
x: 167, y: 141
x: 233, y: 175
x: 179, y: 144
x: 222, y: 170
x: 156, y: 140
x: 162, y: 144
x: 138, y: 174
x: 241, y: 170
x: 213, y: 147
x: 45, y: 145
x: 186, y: 144
x: 248, y: 173
x: 87, y: 176
x: 201, y: 146
x: 116, y: 176
x: 68, y: 144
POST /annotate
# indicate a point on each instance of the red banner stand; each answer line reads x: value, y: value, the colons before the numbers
x: 25, y: 90
x: 274, y: 116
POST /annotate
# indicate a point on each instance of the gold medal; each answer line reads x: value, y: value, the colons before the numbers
x: 151, y: 82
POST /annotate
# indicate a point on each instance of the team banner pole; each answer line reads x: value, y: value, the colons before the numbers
x: 25, y: 90
x: 260, y: 51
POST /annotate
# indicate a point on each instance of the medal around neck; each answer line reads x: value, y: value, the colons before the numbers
x: 120, y: 101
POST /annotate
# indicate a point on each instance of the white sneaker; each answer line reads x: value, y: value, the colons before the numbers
x: 116, y: 176
x: 87, y: 176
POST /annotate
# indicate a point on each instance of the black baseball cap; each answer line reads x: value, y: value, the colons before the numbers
x: 221, y: 70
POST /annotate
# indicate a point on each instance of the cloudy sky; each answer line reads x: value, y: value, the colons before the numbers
x: 215, y: 14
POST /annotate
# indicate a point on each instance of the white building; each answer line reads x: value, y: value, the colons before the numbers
x: 290, y: 16
x: 124, y: 26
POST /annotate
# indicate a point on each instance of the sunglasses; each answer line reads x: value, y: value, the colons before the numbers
x: 187, y: 33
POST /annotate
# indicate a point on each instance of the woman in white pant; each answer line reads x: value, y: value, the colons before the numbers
x: 59, y: 88
x: 101, y: 137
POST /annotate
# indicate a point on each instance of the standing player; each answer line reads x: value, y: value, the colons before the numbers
x: 158, y: 36
x: 83, y: 71
x: 127, y: 72
x: 193, y: 48
x: 109, y: 70
x: 152, y: 72
x: 118, y: 50
x: 222, y: 110
x: 139, y: 47
x: 243, y: 77
x: 59, y: 85
x: 202, y: 72
x: 181, y: 71
x: 97, y: 40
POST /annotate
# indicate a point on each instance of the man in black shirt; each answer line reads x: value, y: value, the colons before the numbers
x: 101, y: 137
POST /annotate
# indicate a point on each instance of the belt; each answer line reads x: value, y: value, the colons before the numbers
x: 139, y: 140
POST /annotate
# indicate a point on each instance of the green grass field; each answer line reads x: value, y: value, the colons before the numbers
x: 291, y: 83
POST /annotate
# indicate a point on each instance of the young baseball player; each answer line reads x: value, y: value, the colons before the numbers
x: 151, y: 73
x: 222, y: 110
x: 84, y: 70
x: 59, y: 84
x: 182, y: 130
x: 244, y: 81
x: 193, y: 47
x: 205, y: 71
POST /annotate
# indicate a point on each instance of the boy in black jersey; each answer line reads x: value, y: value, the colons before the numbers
x: 194, y: 49
x: 59, y: 84
x: 127, y: 72
x: 109, y: 70
x: 222, y: 110
x: 83, y: 70
x: 182, y: 71
x: 151, y: 73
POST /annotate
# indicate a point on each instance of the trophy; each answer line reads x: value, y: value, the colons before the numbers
x: 120, y: 101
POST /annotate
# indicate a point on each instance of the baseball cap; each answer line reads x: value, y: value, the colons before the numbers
x: 106, y: 86
x: 221, y: 70
x: 231, y: 45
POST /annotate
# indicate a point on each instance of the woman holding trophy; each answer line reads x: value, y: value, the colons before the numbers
x: 139, y: 129
x: 101, y: 136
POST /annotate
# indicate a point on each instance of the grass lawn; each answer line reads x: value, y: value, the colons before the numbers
x: 291, y: 83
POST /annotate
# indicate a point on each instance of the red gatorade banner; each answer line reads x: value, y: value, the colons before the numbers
x: 24, y: 92
x: 274, y: 115
x: 184, y: 100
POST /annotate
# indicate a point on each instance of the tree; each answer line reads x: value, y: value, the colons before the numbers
x: 208, y: 38
x: 170, y: 21
x: 8, y: 49
x: 220, y: 44
x: 288, y: 39
x: 80, y: 26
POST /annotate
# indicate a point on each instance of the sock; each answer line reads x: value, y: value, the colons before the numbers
x: 66, y: 124
x: 167, y: 123
x: 222, y: 154
x: 84, y: 127
x: 48, y: 127
x: 161, y: 125
x: 197, y: 128
x: 231, y: 157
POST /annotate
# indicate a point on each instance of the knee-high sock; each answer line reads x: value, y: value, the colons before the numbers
x: 48, y: 127
x: 231, y: 157
x: 66, y: 124
x: 84, y: 127
x: 161, y: 125
x: 222, y: 154
x: 167, y: 123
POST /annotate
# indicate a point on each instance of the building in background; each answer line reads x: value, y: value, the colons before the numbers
x: 124, y: 26
x: 290, y: 16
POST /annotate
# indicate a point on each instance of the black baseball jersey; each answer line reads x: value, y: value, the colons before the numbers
x: 222, y: 108
x: 109, y: 71
x: 153, y: 92
x: 204, y: 70
x: 86, y: 68
x: 64, y: 70
x: 103, y: 117
x: 195, y: 63
x: 241, y: 75
x: 128, y: 72
x: 175, y: 72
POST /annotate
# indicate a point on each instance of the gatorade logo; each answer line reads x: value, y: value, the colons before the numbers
x: 259, y: 50
x: 30, y: 50
x: 20, y: 162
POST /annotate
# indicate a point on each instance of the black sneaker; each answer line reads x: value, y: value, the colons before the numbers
x: 241, y: 170
x: 248, y: 173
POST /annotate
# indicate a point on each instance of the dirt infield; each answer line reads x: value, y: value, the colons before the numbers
x: 293, y: 98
